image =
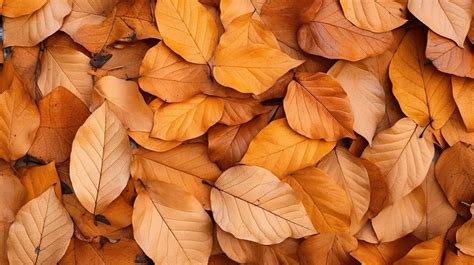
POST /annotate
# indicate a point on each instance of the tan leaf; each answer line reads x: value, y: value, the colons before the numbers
x: 61, y: 115
x: 463, y: 93
x: 244, y: 251
x: 188, y: 28
x: 238, y: 111
x: 253, y: 68
x: 424, y: 93
x: 317, y: 107
x: 450, y: 19
x: 402, y: 156
x: 349, y: 172
x: 331, y: 35
x: 20, y: 120
x: 327, y: 204
x: 375, y: 15
x: 283, y: 151
x: 186, y: 166
x: 273, y: 212
x: 228, y: 144
x: 125, y: 100
x: 366, y: 96
x: 186, y: 120
x: 464, y: 240
x: 125, y: 252
x: 100, y: 160
x: 401, y: 217
x: 37, y: 180
x: 167, y: 76
x: 138, y: 15
x: 232, y: 9
x: 171, y: 226
x: 30, y: 30
x: 426, y: 253
x: 378, y: 188
x: 439, y: 215
x: 460, y: 259
x: 455, y: 131
x: 449, y: 58
x: 41, y: 231
x: 12, y: 8
x: 328, y: 249
x: 61, y: 66
x: 125, y: 62
x: 152, y: 144
x: 457, y: 179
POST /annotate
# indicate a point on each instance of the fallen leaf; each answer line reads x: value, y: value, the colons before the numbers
x: 402, y: 156
x: 12, y: 8
x: 37, y: 180
x: 464, y: 241
x: 186, y: 166
x: 152, y: 144
x: 283, y: 151
x: 457, y: 179
x: 20, y: 118
x: 327, y: 203
x: 366, y: 96
x: 328, y: 249
x: 401, y: 217
x: 231, y: 9
x: 331, y: 35
x: 450, y: 19
x: 125, y: 61
x: 188, y: 28
x: 186, y: 120
x: 238, y: 111
x: 317, y: 107
x: 100, y: 143
x: 378, y: 188
x: 375, y: 15
x: 41, y: 231
x: 463, y: 93
x: 61, y: 115
x: 426, y: 253
x: 166, y: 217
x: 169, y: 77
x: 455, y: 131
x: 424, y: 93
x: 261, y: 193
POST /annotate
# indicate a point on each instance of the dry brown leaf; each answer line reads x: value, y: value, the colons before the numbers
x: 124, y: 99
x: 439, y: 215
x: 167, y: 218
x: 328, y: 249
x: 457, y: 179
x: 450, y: 19
x: 238, y: 111
x: 100, y: 160
x: 317, y: 107
x: 331, y: 35
x: 248, y: 252
x: 378, y: 188
x: 232, y: 9
x: 273, y: 213
x: 246, y: 68
x: 125, y: 62
x: 138, y: 15
x: 327, y: 203
x: 375, y: 15
x: 25, y: 63
x: 349, y: 173
x: 426, y: 253
x: 283, y: 151
x: 463, y: 93
x: 460, y: 259
x: 464, y: 240
x: 64, y: 66
x: 125, y: 252
x: 424, y: 93
x: 401, y: 217
x: 61, y: 115
x: 169, y: 77
x: 186, y: 166
x: 12, y: 8
x: 37, y: 180
x: 153, y: 144
x: 41, y: 232
x: 29, y: 30
x: 449, y: 58
x: 186, y: 120
x: 366, y: 96
x: 228, y: 144
x: 20, y: 120
x: 455, y: 131
x: 402, y: 156
x: 188, y: 28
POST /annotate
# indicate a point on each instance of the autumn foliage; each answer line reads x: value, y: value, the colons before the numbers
x: 332, y: 132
